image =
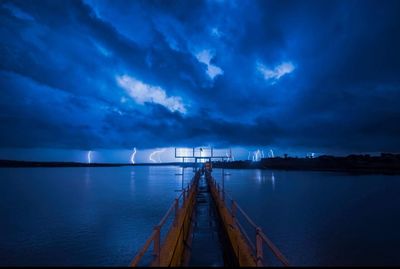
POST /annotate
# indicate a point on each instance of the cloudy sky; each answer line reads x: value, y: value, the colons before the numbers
x: 108, y: 76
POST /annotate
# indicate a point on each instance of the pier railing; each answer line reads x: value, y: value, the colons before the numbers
x: 249, y: 250
x: 168, y: 250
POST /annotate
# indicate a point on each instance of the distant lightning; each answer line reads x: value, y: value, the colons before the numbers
x: 89, y: 156
x: 159, y: 155
x: 154, y: 153
x: 248, y: 157
x: 229, y: 155
x: 262, y: 153
x: 151, y: 156
x: 271, y: 153
x: 133, y: 156
x: 256, y: 155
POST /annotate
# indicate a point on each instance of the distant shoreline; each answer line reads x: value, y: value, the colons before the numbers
x: 358, y: 164
x: 20, y: 164
x: 386, y: 163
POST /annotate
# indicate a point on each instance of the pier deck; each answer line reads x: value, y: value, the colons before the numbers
x: 206, y: 247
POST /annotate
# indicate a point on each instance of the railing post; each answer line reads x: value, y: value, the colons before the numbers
x: 259, y: 248
x: 156, y: 248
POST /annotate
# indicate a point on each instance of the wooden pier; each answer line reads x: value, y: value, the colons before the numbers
x: 185, y: 237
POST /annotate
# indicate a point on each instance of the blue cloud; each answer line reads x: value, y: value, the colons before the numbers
x: 245, y: 73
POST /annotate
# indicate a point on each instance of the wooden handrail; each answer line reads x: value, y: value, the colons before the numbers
x: 275, y: 250
x: 145, y: 247
x: 249, y: 220
x: 260, y: 235
x: 242, y: 230
x: 164, y: 219
x: 155, y: 235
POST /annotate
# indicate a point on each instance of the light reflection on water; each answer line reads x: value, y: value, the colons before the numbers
x: 273, y: 180
x: 263, y: 177
x: 87, y: 176
x: 132, y: 181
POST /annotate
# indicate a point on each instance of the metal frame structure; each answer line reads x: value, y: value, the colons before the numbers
x: 198, y: 156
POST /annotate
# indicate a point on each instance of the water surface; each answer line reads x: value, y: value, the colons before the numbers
x: 103, y: 215
x: 323, y: 218
x: 81, y: 216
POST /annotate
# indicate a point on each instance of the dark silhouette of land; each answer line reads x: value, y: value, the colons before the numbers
x: 386, y: 163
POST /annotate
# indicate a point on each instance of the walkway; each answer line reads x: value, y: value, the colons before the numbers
x: 206, y: 247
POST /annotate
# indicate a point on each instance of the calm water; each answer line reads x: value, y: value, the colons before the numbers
x: 323, y: 218
x: 102, y: 216
x: 81, y: 216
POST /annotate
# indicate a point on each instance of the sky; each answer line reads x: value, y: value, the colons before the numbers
x: 110, y: 76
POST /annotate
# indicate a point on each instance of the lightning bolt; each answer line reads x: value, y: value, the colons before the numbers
x: 159, y: 155
x: 151, y: 156
x: 256, y: 155
x: 89, y: 156
x: 133, y: 156
x: 248, y: 157
x: 154, y: 153
x: 229, y: 155
x: 272, y: 153
x: 262, y: 153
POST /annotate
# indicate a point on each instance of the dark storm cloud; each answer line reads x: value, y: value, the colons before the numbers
x: 60, y: 62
